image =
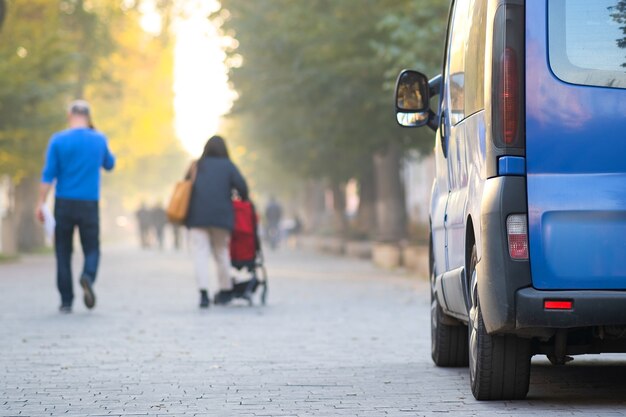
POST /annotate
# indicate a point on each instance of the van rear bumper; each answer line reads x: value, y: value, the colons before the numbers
x: 589, y: 308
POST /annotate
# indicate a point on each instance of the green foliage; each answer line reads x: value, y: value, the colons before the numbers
x: 49, y: 52
x: 313, y: 83
x: 618, y: 14
x: 416, y: 38
x: 136, y: 111
x: 52, y: 52
x: 2, y: 12
x: 33, y: 79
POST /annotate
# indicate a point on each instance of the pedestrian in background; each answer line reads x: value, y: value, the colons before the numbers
x: 273, y: 216
x: 73, y: 162
x: 143, y: 223
x: 210, y: 218
x: 158, y: 220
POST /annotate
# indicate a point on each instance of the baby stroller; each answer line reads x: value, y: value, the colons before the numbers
x: 246, y: 254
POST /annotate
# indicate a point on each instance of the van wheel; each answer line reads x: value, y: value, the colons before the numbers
x: 499, y: 364
x: 448, y: 338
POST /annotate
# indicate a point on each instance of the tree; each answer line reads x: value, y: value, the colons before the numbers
x: 416, y: 36
x: 54, y: 51
x: 2, y: 12
x: 313, y: 86
x: 33, y: 76
x: 33, y: 79
x: 618, y: 14
x: 136, y: 111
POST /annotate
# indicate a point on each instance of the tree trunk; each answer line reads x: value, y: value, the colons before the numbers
x: 2, y: 12
x: 30, y: 235
x: 340, y: 223
x: 314, y: 205
x: 366, y: 214
x: 390, y: 204
x: 8, y: 243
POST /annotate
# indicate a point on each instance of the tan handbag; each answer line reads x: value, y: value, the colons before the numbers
x: 179, y: 202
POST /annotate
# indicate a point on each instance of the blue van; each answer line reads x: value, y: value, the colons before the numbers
x: 528, y: 205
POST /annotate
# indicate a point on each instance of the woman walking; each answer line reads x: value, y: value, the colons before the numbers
x: 210, y: 218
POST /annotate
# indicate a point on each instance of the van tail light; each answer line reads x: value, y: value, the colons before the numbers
x: 517, y: 233
x: 558, y: 304
x: 507, y: 75
x: 509, y: 100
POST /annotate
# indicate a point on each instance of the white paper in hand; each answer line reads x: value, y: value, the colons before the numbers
x: 48, y: 222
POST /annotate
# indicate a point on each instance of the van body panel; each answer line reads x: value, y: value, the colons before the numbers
x: 468, y: 182
x: 455, y: 136
x: 438, y: 203
x: 576, y: 173
x: 453, y: 290
x: 590, y: 308
x: 464, y: 135
x: 498, y: 276
x: 460, y: 149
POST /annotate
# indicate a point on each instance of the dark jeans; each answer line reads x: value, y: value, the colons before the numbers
x: 70, y: 214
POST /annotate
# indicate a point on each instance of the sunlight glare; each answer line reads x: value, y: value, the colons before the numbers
x: 202, y: 93
x: 150, y: 18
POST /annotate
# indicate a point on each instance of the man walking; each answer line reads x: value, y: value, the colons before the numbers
x: 74, y: 159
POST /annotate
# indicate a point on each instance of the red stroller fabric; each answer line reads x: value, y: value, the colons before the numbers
x: 243, y: 242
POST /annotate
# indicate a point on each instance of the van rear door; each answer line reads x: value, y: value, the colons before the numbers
x: 576, y: 143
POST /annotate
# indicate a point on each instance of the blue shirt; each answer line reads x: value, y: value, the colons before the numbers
x: 74, y: 160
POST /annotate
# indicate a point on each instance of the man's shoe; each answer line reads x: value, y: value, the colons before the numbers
x: 204, y: 299
x: 89, y: 296
x: 65, y: 309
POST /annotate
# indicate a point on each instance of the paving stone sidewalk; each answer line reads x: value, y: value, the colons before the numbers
x: 338, y: 338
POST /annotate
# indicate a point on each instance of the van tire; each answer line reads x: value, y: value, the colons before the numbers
x: 499, y: 364
x: 448, y: 337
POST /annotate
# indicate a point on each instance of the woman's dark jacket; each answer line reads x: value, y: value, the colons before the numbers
x: 211, y: 204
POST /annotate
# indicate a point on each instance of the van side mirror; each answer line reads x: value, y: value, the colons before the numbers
x: 412, y: 99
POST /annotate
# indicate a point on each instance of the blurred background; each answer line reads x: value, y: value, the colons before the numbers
x: 301, y: 90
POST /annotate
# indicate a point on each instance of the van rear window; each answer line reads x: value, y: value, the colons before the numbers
x: 587, y: 42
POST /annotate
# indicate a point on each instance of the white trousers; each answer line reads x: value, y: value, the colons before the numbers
x: 205, y: 242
